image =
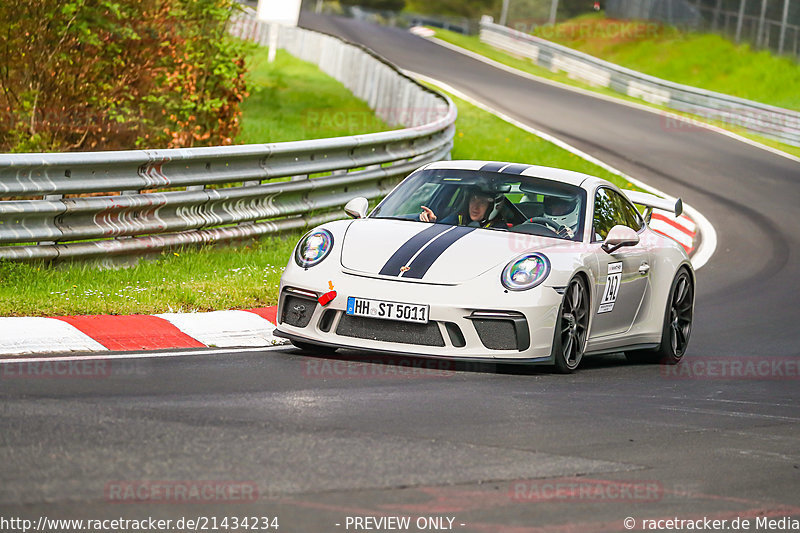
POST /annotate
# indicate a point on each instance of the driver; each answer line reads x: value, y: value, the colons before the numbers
x: 564, y: 211
x: 477, y: 213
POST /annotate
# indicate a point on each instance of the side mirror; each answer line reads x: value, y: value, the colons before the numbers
x: 357, y: 207
x: 618, y: 237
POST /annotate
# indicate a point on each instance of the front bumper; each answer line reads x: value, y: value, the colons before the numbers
x: 477, y: 320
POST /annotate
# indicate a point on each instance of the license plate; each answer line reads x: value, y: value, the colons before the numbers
x: 387, y: 310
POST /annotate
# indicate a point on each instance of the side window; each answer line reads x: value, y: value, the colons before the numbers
x: 629, y: 215
x: 612, y: 209
x: 605, y: 215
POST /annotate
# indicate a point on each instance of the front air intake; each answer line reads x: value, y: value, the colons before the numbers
x: 502, y: 330
x: 297, y: 309
x: 390, y: 331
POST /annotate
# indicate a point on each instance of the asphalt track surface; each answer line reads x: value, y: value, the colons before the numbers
x: 323, y: 438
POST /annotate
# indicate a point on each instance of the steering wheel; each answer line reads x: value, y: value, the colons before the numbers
x: 558, y: 229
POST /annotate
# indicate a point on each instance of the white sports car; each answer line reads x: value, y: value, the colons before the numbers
x: 496, y: 262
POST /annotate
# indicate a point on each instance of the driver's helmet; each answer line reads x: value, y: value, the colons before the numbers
x: 563, y: 210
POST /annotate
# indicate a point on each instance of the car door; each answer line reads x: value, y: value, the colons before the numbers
x: 624, y: 275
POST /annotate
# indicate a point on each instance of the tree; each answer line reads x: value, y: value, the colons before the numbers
x: 117, y: 74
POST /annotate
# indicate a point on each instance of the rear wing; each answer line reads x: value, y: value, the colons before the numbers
x: 651, y: 201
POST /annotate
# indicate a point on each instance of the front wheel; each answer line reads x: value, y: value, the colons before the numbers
x: 571, y: 327
x: 677, y: 325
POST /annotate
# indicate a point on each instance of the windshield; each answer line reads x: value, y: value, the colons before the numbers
x: 490, y: 200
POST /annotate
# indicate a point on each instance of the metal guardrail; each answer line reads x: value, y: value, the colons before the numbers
x: 770, y: 121
x: 149, y: 200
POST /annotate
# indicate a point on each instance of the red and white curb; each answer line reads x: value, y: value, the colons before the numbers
x: 422, y: 31
x: 102, y: 333
x: 681, y: 229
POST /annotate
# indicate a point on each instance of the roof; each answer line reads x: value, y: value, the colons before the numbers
x: 555, y: 174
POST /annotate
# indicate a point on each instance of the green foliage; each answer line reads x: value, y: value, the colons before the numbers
x: 117, y: 74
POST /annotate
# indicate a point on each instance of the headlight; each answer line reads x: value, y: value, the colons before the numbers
x: 525, y: 272
x: 313, y: 248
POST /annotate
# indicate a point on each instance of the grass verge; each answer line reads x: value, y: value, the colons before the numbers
x: 237, y: 278
x: 704, y: 60
x: 292, y: 100
x: 188, y: 280
x: 473, y: 44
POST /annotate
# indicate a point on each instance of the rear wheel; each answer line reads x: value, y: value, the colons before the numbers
x: 571, y: 327
x: 312, y: 348
x: 677, y: 325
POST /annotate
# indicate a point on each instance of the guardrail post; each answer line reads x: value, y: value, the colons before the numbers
x: 715, y: 21
x: 761, y: 20
x: 740, y: 21
x: 784, y: 22
x: 54, y: 198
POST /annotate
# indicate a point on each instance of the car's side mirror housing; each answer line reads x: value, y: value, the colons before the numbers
x: 618, y: 237
x: 357, y: 207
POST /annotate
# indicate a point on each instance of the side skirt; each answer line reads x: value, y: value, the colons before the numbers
x: 625, y: 348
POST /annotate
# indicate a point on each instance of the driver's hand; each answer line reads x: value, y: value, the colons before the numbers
x: 427, y: 215
x: 565, y: 231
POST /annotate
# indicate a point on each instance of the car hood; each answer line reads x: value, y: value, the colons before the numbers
x: 433, y: 253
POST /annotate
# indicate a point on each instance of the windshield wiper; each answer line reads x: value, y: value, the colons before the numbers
x: 382, y: 217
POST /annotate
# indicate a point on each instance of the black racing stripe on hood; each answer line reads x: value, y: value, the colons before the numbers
x: 515, y: 169
x: 419, y: 267
x: 404, y: 254
x: 493, y: 167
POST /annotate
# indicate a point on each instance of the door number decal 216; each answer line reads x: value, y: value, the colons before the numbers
x: 612, y: 287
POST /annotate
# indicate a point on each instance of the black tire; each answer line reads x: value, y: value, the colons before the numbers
x: 311, y: 348
x: 572, y: 326
x: 677, y: 326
